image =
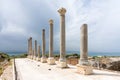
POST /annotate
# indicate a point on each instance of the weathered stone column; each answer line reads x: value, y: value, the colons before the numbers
x: 51, y: 59
x: 62, y: 61
x: 35, y: 50
x: 30, y: 45
x: 38, y: 53
x: 33, y: 54
x: 84, y: 66
x: 43, y: 59
x: 28, y: 48
x: 84, y: 45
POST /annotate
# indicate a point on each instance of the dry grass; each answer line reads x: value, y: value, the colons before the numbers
x: 1, y: 71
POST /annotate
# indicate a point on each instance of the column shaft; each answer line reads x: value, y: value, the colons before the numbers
x: 43, y: 43
x: 30, y: 44
x: 35, y: 48
x: 51, y: 39
x: 62, y: 12
x: 38, y: 51
x: 28, y: 47
x: 84, y: 45
x: 62, y: 37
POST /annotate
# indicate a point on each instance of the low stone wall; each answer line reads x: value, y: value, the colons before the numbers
x: 72, y: 61
x: 14, y: 70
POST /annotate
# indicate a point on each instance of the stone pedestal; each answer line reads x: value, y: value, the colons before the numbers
x: 34, y: 58
x: 84, y: 69
x: 31, y: 57
x: 38, y: 59
x: 51, y: 61
x: 43, y: 60
x: 28, y: 56
x: 62, y: 64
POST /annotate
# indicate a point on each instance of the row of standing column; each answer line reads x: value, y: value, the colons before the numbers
x: 62, y: 61
x: 33, y: 53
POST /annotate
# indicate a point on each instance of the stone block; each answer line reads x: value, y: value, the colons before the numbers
x: 38, y: 59
x: 34, y: 58
x: 43, y: 60
x: 84, y: 69
x: 62, y: 64
x: 51, y: 61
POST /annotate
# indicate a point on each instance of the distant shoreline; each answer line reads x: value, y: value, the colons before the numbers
x: 73, y: 52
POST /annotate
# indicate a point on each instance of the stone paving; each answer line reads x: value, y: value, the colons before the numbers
x: 33, y: 70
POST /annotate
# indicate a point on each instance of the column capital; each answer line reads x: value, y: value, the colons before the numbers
x: 51, y: 21
x: 84, y: 25
x: 43, y: 29
x: 30, y: 37
x: 62, y: 11
x: 35, y: 40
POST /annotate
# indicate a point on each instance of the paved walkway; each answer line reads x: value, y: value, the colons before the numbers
x: 33, y: 70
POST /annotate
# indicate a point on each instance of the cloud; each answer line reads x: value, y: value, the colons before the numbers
x: 20, y: 19
x: 102, y: 18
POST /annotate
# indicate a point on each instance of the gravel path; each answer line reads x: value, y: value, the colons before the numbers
x: 33, y: 70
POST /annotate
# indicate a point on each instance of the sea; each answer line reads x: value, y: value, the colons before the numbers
x: 75, y: 52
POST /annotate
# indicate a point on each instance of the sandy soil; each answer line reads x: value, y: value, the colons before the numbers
x: 7, y: 74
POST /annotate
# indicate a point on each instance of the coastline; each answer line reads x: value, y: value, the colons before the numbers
x: 73, y: 52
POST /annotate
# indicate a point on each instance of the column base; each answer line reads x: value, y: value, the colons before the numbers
x: 38, y: 59
x: 27, y: 56
x: 84, y: 69
x: 51, y: 61
x: 30, y: 57
x: 43, y: 60
x: 34, y: 58
x: 62, y: 64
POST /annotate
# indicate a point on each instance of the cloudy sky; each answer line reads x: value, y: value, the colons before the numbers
x: 20, y: 19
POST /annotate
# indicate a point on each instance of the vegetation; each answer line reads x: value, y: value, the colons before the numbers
x: 1, y: 70
x: 75, y: 55
x: 4, y: 61
x: 24, y: 55
x: 4, y: 56
x: 67, y: 55
x: 114, y: 66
